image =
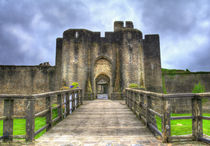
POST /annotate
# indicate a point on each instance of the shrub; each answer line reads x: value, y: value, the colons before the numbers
x: 198, y: 88
x: 74, y: 85
x: 133, y: 85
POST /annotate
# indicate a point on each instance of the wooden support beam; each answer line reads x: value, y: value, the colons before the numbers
x: 67, y: 104
x: 197, y: 122
x: 8, y: 122
x: 30, y: 119
x: 148, y: 106
x: 60, y: 108
x: 49, y: 114
x: 166, y: 122
x: 73, y: 101
x: 81, y: 97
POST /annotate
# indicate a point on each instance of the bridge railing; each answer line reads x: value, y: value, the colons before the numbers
x: 55, y: 105
x: 180, y: 116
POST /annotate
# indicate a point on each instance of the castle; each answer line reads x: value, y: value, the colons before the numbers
x: 99, y: 64
x: 112, y: 62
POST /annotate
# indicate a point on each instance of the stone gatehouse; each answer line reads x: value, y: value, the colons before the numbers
x: 99, y: 64
x: 108, y: 63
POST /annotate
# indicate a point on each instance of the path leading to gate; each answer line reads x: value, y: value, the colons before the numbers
x: 99, y: 122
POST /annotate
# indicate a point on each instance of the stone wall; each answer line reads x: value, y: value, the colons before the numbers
x: 131, y: 59
x: 185, y: 82
x: 26, y: 79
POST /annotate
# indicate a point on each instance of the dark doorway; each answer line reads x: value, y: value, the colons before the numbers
x: 102, y: 87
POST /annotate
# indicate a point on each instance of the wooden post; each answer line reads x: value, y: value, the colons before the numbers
x: 134, y: 102
x: 49, y: 114
x: 129, y: 99
x: 73, y: 101
x: 166, y: 121
x: 81, y: 97
x: 67, y: 104
x: 8, y: 122
x: 76, y: 99
x: 148, y: 106
x: 197, y: 123
x: 30, y: 119
x: 60, y: 109
x: 126, y: 94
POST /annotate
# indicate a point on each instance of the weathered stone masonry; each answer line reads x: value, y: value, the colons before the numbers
x: 120, y: 58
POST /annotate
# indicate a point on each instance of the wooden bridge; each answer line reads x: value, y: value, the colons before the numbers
x: 104, y: 122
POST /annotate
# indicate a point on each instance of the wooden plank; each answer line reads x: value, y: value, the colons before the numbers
x: 180, y: 137
x: 3, y: 117
x: 205, y: 118
x: 182, y: 117
x: 41, y: 129
x: 56, y: 119
x: 18, y: 117
x: 15, y: 96
x: 156, y: 113
x: 56, y: 107
x: 30, y: 119
x: 8, y: 122
x: 42, y: 113
x: 54, y: 93
x: 155, y: 129
x: 204, y: 139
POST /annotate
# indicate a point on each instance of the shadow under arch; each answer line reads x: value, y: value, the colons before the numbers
x: 102, y: 82
x: 103, y: 57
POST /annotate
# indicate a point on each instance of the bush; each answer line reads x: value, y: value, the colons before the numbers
x: 198, y: 88
x: 133, y: 85
x: 74, y: 85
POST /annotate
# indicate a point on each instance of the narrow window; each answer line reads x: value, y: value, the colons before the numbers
x: 76, y: 35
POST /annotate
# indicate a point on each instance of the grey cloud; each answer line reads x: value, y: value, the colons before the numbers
x: 34, y: 25
x: 179, y: 22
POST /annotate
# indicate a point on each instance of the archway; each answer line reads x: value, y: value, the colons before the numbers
x: 102, y: 86
x: 102, y: 78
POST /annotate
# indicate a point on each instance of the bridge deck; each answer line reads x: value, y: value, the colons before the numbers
x: 99, y: 122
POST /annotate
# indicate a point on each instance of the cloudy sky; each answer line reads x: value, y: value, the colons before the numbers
x: 29, y: 28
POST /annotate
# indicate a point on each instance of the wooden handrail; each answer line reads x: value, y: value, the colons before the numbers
x: 145, y: 98
x: 30, y: 114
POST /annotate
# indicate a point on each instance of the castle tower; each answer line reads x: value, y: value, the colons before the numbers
x: 108, y: 64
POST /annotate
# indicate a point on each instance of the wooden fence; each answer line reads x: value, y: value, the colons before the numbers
x: 151, y: 106
x: 65, y: 98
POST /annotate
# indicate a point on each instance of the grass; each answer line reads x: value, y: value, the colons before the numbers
x: 180, y: 72
x: 184, y: 127
x: 19, y: 125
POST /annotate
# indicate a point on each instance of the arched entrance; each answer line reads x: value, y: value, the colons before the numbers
x: 102, y: 78
x: 102, y: 86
